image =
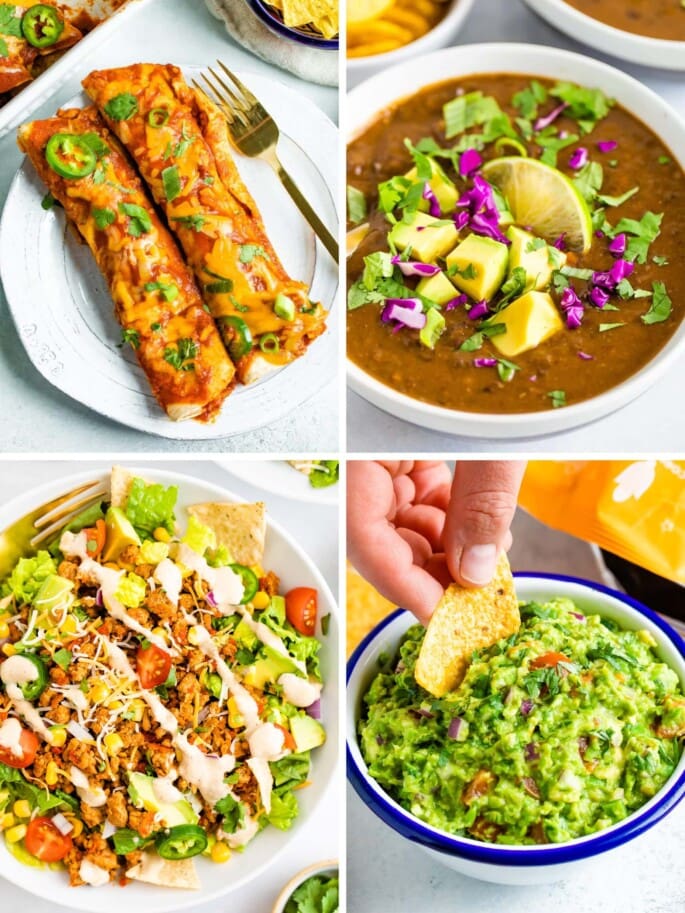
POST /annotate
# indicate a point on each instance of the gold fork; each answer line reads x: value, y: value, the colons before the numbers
x: 255, y: 134
x: 24, y: 536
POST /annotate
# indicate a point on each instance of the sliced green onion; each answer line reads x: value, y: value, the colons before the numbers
x: 158, y: 117
x: 269, y: 343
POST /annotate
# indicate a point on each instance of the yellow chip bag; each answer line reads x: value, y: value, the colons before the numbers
x: 466, y: 620
x: 365, y: 608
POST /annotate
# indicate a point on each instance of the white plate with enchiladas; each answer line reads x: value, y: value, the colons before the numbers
x: 157, y: 276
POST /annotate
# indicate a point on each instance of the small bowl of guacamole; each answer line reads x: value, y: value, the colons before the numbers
x: 562, y: 743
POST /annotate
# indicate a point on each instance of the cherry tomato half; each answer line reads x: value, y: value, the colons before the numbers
x: 45, y: 841
x: 28, y: 742
x: 300, y: 609
x: 549, y: 660
x: 153, y: 666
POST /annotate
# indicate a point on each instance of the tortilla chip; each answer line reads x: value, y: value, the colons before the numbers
x: 239, y: 527
x: 120, y: 483
x: 466, y: 620
x: 168, y: 873
x: 365, y: 608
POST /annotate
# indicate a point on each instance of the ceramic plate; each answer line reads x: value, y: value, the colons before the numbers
x: 294, y: 568
x: 279, y: 477
x: 65, y: 316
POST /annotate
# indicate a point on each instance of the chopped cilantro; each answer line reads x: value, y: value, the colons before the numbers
x: 604, y: 327
x: 130, y: 336
x: 103, y: 217
x: 469, y: 110
x: 195, y: 221
x: 487, y: 331
x: 617, y: 201
x: 643, y: 233
x: 506, y: 369
x: 139, y: 219
x: 558, y: 398
x: 249, y: 251
x: 122, y: 107
x: 48, y: 201
x: 661, y: 306
x: 589, y: 180
x: 172, y: 182
x: 10, y: 23
x: 660, y: 261
x: 586, y: 106
x: 180, y: 355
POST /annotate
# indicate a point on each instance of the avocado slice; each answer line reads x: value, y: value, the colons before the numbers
x: 53, y: 592
x: 269, y: 668
x: 437, y: 288
x: 120, y: 534
x: 444, y: 190
x: 529, y: 321
x: 142, y: 793
x: 307, y: 732
x: 479, y: 266
x: 535, y: 256
x: 426, y: 236
x: 245, y: 636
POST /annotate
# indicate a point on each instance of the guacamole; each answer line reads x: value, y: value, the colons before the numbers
x: 561, y: 730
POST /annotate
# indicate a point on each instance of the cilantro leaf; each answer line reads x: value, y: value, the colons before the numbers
x: 139, y: 219
x: 103, y: 217
x: 249, y: 251
x: 469, y: 110
x: 195, y: 221
x: 122, y: 107
x: 172, y: 182
x: 642, y: 234
x: 558, y: 398
x: 180, y: 355
x: 661, y: 306
x: 589, y: 180
x: 356, y: 205
x: 617, y: 201
x: 587, y: 106
x: 169, y: 290
x: 10, y: 23
x: 130, y: 336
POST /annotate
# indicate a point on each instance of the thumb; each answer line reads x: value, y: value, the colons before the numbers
x: 482, y: 506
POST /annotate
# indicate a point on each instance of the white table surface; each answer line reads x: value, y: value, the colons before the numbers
x: 37, y: 416
x: 649, y: 423
x: 315, y: 528
x: 387, y: 874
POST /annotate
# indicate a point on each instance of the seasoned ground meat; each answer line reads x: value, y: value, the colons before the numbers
x: 82, y: 756
x: 117, y: 811
x: 130, y: 555
x: 270, y: 583
x: 160, y: 605
x: 68, y: 569
x: 142, y: 821
x: 92, y: 817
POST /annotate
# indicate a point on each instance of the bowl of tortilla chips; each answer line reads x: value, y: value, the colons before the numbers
x: 247, y: 533
x: 311, y: 22
x: 444, y: 658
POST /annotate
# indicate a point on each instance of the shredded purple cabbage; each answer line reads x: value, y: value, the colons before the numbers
x: 560, y: 242
x: 607, y: 145
x: 617, y: 247
x: 585, y: 356
x: 433, y: 204
x: 484, y: 362
x: 415, y: 267
x: 479, y: 309
x: 548, y: 119
x: 579, y: 158
x: 406, y: 311
x: 572, y: 307
x: 598, y: 296
x: 456, y: 302
x: 469, y: 161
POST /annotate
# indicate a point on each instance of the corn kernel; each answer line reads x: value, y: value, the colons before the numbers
x: 113, y: 742
x: 6, y: 820
x: 194, y: 635
x: 9, y: 649
x: 98, y: 692
x: 135, y: 710
x: 70, y: 625
x: 58, y: 737
x: 16, y: 833
x: 261, y: 600
x: 114, y: 705
x: 161, y: 534
x: 160, y: 632
x: 76, y: 824
x: 21, y: 809
x: 235, y: 719
x: 221, y: 852
x: 257, y: 569
x: 51, y: 774
x: 4, y: 630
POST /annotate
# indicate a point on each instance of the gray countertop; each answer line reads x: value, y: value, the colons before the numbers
x: 38, y: 417
x: 650, y: 422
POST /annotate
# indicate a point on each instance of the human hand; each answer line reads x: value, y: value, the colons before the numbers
x: 412, y: 529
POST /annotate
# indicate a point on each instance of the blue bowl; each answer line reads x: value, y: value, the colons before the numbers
x: 513, y: 864
x: 271, y: 17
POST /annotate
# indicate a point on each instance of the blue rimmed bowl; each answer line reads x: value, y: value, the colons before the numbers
x: 514, y: 864
x: 272, y: 18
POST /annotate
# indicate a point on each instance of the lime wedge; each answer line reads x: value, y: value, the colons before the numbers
x: 542, y: 198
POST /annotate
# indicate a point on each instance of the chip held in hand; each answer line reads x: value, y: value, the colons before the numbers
x: 466, y: 620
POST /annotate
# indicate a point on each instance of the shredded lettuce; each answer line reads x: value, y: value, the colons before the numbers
x: 152, y: 552
x: 290, y: 770
x: 299, y: 646
x: 198, y: 536
x: 15, y: 786
x: 131, y: 591
x: 284, y: 810
x: 151, y: 506
x: 219, y: 557
x: 28, y: 576
x: 325, y: 473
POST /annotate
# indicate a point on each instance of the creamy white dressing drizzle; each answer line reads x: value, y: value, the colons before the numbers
x: 119, y: 662
x: 14, y: 672
x: 164, y: 789
x: 299, y: 691
x: 205, y: 772
x: 247, y: 705
x: 169, y: 576
x: 266, y: 742
x: 92, y: 874
x: 10, y: 735
x: 242, y: 835
x: 227, y: 586
x: 265, y: 781
x: 89, y: 795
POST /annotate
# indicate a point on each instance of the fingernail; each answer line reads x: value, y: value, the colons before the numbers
x: 478, y: 564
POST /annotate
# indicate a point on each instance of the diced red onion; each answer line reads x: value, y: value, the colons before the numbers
x: 455, y: 727
x: 579, y: 158
x: 314, y: 710
x: 598, y: 296
x: 485, y: 362
x: 380, y: 740
x: 577, y: 614
x: 98, y: 599
x: 526, y: 706
x: 548, y: 119
x: 63, y: 825
x: 211, y: 600
x: 531, y: 787
x: 530, y: 752
x: 560, y: 242
x: 607, y: 145
x: 426, y: 714
x: 583, y: 743
x: 469, y: 161
x: 433, y: 204
x: 618, y: 245
x: 406, y: 315
x: 415, y: 267
x: 79, y: 732
x: 203, y: 714
x: 455, y: 302
x: 479, y: 309
x: 585, y: 356
x: 533, y: 378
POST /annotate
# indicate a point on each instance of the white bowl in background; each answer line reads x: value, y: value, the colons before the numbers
x: 654, y: 52
x: 369, y: 99
x: 328, y: 869
x: 286, y: 558
x: 504, y: 864
x: 440, y: 35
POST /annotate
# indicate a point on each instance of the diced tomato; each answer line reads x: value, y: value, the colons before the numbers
x: 549, y: 660
x: 45, y: 841
x: 153, y: 666
x: 301, y: 608
x: 288, y: 740
x: 28, y: 743
x: 95, y: 541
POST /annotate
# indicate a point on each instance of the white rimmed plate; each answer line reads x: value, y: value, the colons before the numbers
x: 279, y: 477
x: 285, y: 557
x: 65, y: 317
x: 655, y: 52
x: 369, y: 99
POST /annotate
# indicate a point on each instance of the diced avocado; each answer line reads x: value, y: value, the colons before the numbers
x: 437, y: 288
x: 307, y: 732
x: 426, y: 236
x: 245, y: 636
x: 54, y: 592
x: 120, y: 533
x: 284, y: 307
x: 529, y: 320
x: 480, y: 266
x: 269, y: 668
x: 444, y: 190
x: 433, y: 329
x: 142, y: 792
x: 534, y: 256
